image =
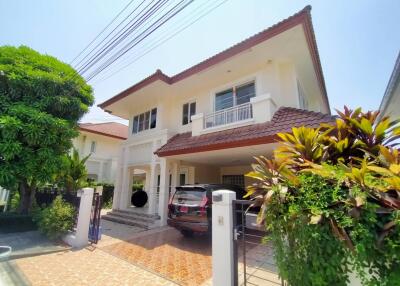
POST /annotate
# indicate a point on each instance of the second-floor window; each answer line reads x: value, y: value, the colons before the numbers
x: 93, y: 147
x: 234, y: 96
x: 303, y: 103
x: 144, y: 121
x: 188, y: 110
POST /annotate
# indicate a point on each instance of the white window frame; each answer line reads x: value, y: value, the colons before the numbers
x: 301, y: 97
x: 144, y: 120
x: 189, y: 103
x: 93, y: 146
x: 236, y: 83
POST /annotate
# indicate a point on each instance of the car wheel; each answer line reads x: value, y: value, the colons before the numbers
x: 187, y: 233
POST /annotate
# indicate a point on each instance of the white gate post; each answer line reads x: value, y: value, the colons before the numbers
x: 222, y: 238
x: 80, y: 238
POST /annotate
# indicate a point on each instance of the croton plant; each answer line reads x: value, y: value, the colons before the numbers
x: 330, y: 199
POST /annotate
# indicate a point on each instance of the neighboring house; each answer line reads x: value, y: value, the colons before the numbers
x: 102, y: 141
x: 205, y: 124
x: 390, y: 105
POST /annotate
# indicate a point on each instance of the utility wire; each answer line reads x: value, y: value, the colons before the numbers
x: 145, y: 34
x: 156, y: 44
x: 122, y: 34
x: 137, y: 36
x: 102, y: 31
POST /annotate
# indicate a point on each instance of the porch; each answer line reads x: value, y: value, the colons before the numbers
x: 161, y: 177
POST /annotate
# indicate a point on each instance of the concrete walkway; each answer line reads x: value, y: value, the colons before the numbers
x: 30, y: 243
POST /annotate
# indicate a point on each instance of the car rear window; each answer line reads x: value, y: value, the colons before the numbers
x: 189, y: 196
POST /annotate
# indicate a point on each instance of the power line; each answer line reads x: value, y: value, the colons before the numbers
x: 102, y: 31
x: 122, y: 34
x: 165, y: 39
x: 174, y: 11
x: 136, y: 36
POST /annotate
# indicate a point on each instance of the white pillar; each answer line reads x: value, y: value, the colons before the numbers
x: 125, y: 192
x: 175, y: 176
x: 117, y: 188
x: 80, y: 238
x: 153, y: 189
x: 222, y: 238
x: 164, y: 191
x: 101, y: 171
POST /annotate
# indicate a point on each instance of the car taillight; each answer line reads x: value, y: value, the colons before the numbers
x: 170, y: 206
x: 203, y: 205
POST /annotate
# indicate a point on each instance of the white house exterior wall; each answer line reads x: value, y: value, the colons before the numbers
x: 103, y: 162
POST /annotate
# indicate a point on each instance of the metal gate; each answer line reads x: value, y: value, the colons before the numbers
x: 94, y: 226
x: 246, y: 239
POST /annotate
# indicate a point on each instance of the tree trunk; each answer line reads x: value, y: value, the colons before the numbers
x: 26, y: 197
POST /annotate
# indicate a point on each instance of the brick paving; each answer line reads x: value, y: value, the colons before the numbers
x: 127, y: 256
x: 85, y: 267
x: 184, y: 260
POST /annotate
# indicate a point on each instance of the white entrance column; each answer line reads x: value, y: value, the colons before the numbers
x: 153, y: 189
x: 119, y: 173
x: 126, y: 188
x: 222, y: 238
x: 80, y: 237
x: 164, y: 191
x: 175, y: 176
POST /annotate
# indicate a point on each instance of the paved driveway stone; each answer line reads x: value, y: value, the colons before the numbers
x: 85, y: 267
x: 184, y: 260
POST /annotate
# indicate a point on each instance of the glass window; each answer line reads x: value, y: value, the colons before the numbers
x: 185, y: 114
x: 141, y: 122
x: 237, y: 95
x: 153, y: 118
x: 244, y: 93
x: 224, y: 99
x: 192, y: 110
x: 93, y: 147
x: 189, y: 196
x: 188, y: 110
x: 147, y: 120
x: 135, y: 125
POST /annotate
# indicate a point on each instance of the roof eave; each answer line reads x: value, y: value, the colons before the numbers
x: 102, y: 133
x: 303, y: 17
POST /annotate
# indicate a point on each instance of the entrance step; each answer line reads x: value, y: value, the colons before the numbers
x: 128, y: 217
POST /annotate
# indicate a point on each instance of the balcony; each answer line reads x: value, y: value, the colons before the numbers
x: 259, y: 109
x: 228, y: 116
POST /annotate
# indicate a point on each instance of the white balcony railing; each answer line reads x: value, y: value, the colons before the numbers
x: 229, y: 115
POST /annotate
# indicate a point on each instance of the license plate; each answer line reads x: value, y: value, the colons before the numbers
x: 184, y: 209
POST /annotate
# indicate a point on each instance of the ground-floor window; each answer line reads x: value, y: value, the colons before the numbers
x: 233, y: 180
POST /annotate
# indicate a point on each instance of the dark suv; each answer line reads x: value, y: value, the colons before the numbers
x: 189, y: 210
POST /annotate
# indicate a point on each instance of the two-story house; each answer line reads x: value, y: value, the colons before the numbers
x: 102, y: 141
x: 205, y: 124
x: 391, y: 99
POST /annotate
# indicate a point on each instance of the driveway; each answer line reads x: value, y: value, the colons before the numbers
x: 186, y: 261
x: 133, y: 256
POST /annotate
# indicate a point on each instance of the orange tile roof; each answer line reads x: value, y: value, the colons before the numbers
x: 262, y: 133
x: 302, y: 17
x: 110, y: 129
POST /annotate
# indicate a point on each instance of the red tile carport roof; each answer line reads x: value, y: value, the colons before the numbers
x: 262, y: 133
x: 303, y: 17
x: 110, y: 129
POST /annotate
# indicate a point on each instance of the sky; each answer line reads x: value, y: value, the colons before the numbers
x: 358, y: 40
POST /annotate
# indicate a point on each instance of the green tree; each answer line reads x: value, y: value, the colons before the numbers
x: 73, y: 175
x: 41, y: 101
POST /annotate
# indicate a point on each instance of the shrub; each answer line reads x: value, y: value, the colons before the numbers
x: 331, y: 199
x: 55, y: 220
